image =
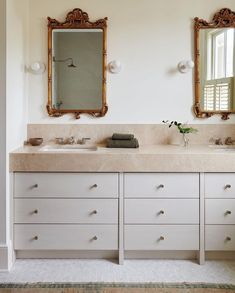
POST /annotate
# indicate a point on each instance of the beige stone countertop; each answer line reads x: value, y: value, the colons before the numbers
x: 148, y: 158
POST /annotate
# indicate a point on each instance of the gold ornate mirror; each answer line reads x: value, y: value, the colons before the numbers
x: 215, y: 65
x: 77, y: 65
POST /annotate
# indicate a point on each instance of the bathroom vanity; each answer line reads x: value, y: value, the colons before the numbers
x: 153, y: 202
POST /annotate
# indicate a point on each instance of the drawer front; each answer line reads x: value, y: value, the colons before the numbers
x: 65, y: 237
x: 162, y: 185
x: 220, y: 185
x: 156, y: 237
x: 162, y: 211
x: 220, y: 237
x: 66, y: 185
x: 89, y: 211
x: 220, y: 211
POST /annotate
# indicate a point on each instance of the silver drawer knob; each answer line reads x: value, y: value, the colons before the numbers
x: 227, y: 186
x: 228, y: 238
x: 161, y: 186
x: 228, y: 213
x: 162, y: 238
x: 94, y: 186
x: 35, y: 238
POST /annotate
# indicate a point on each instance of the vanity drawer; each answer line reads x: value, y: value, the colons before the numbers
x: 64, y: 237
x: 220, y: 237
x: 97, y: 211
x: 220, y: 211
x: 220, y: 185
x: 66, y: 185
x: 170, y: 185
x: 162, y: 211
x: 161, y: 237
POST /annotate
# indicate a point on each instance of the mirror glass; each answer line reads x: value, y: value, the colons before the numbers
x: 217, y: 69
x: 77, y: 69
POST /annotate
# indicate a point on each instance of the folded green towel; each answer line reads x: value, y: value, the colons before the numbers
x: 122, y: 136
x: 114, y: 143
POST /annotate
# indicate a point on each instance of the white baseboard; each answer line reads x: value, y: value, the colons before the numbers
x: 7, y: 257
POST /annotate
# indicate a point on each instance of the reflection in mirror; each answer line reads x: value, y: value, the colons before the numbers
x: 217, y: 69
x: 77, y: 65
x: 215, y: 65
x: 77, y: 69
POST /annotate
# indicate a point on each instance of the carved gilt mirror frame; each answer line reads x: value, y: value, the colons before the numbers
x: 76, y: 19
x: 225, y: 18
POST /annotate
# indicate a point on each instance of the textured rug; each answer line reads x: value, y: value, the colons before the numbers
x: 116, y: 288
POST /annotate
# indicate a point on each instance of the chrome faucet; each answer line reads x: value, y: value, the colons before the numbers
x: 70, y: 140
x: 61, y: 140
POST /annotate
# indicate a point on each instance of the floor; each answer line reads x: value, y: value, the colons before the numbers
x: 134, y: 271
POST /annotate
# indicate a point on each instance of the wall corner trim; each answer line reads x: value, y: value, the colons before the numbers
x: 7, y: 257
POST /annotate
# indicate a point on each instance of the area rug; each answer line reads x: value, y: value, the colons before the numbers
x: 116, y: 288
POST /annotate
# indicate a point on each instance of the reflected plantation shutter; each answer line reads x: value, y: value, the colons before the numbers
x: 217, y: 95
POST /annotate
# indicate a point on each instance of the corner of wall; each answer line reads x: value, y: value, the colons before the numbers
x: 7, y: 257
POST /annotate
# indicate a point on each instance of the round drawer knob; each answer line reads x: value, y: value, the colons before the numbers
x: 35, y: 211
x: 227, y: 186
x: 162, y: 212
x: 228, y: 238
x: 35, y: 238
x: 162, y: 238
x: 95, y: 212
x: 228, y: 213
x: 35, y: 186
x: 94, y: 186
x: 161, y: 186
x: 95, y: 238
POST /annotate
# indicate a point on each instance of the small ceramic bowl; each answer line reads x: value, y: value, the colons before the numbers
x: 35, y: 141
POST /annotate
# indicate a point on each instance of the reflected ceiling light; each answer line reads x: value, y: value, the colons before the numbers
x: 70, y: 62
x: 115, y: 66
x: 185, y: 65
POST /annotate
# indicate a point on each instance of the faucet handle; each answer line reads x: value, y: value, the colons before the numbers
x: 59, y: 140
x: 229, y: 140
x: 84, y: 139
x: 217, y: 141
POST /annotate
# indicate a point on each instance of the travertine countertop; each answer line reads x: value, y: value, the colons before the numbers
x: 148, y: 158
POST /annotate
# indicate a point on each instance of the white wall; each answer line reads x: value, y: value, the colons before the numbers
x: 150, y: 37
x: 13, y: 108
x: 2, y: 122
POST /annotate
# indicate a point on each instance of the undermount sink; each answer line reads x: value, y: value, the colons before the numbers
x: 223, y: 148
x: 67, y: 148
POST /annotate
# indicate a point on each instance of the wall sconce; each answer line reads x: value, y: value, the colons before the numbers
x: 185, y: 66
x: 115, y: 66
x: 37, y: 68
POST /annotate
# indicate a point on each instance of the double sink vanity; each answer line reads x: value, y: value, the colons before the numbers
x: 158, y: 201
x: 161, y: 200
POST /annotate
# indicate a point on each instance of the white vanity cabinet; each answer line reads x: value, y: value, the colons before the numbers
x: 161, y: 211
x: 124, y: 213
x: 66, y: 211
x: 219, y: 211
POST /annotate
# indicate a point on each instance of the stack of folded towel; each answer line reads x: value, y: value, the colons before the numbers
x: 121, y: 140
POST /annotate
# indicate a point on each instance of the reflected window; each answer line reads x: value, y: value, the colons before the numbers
x: 219, y: 69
